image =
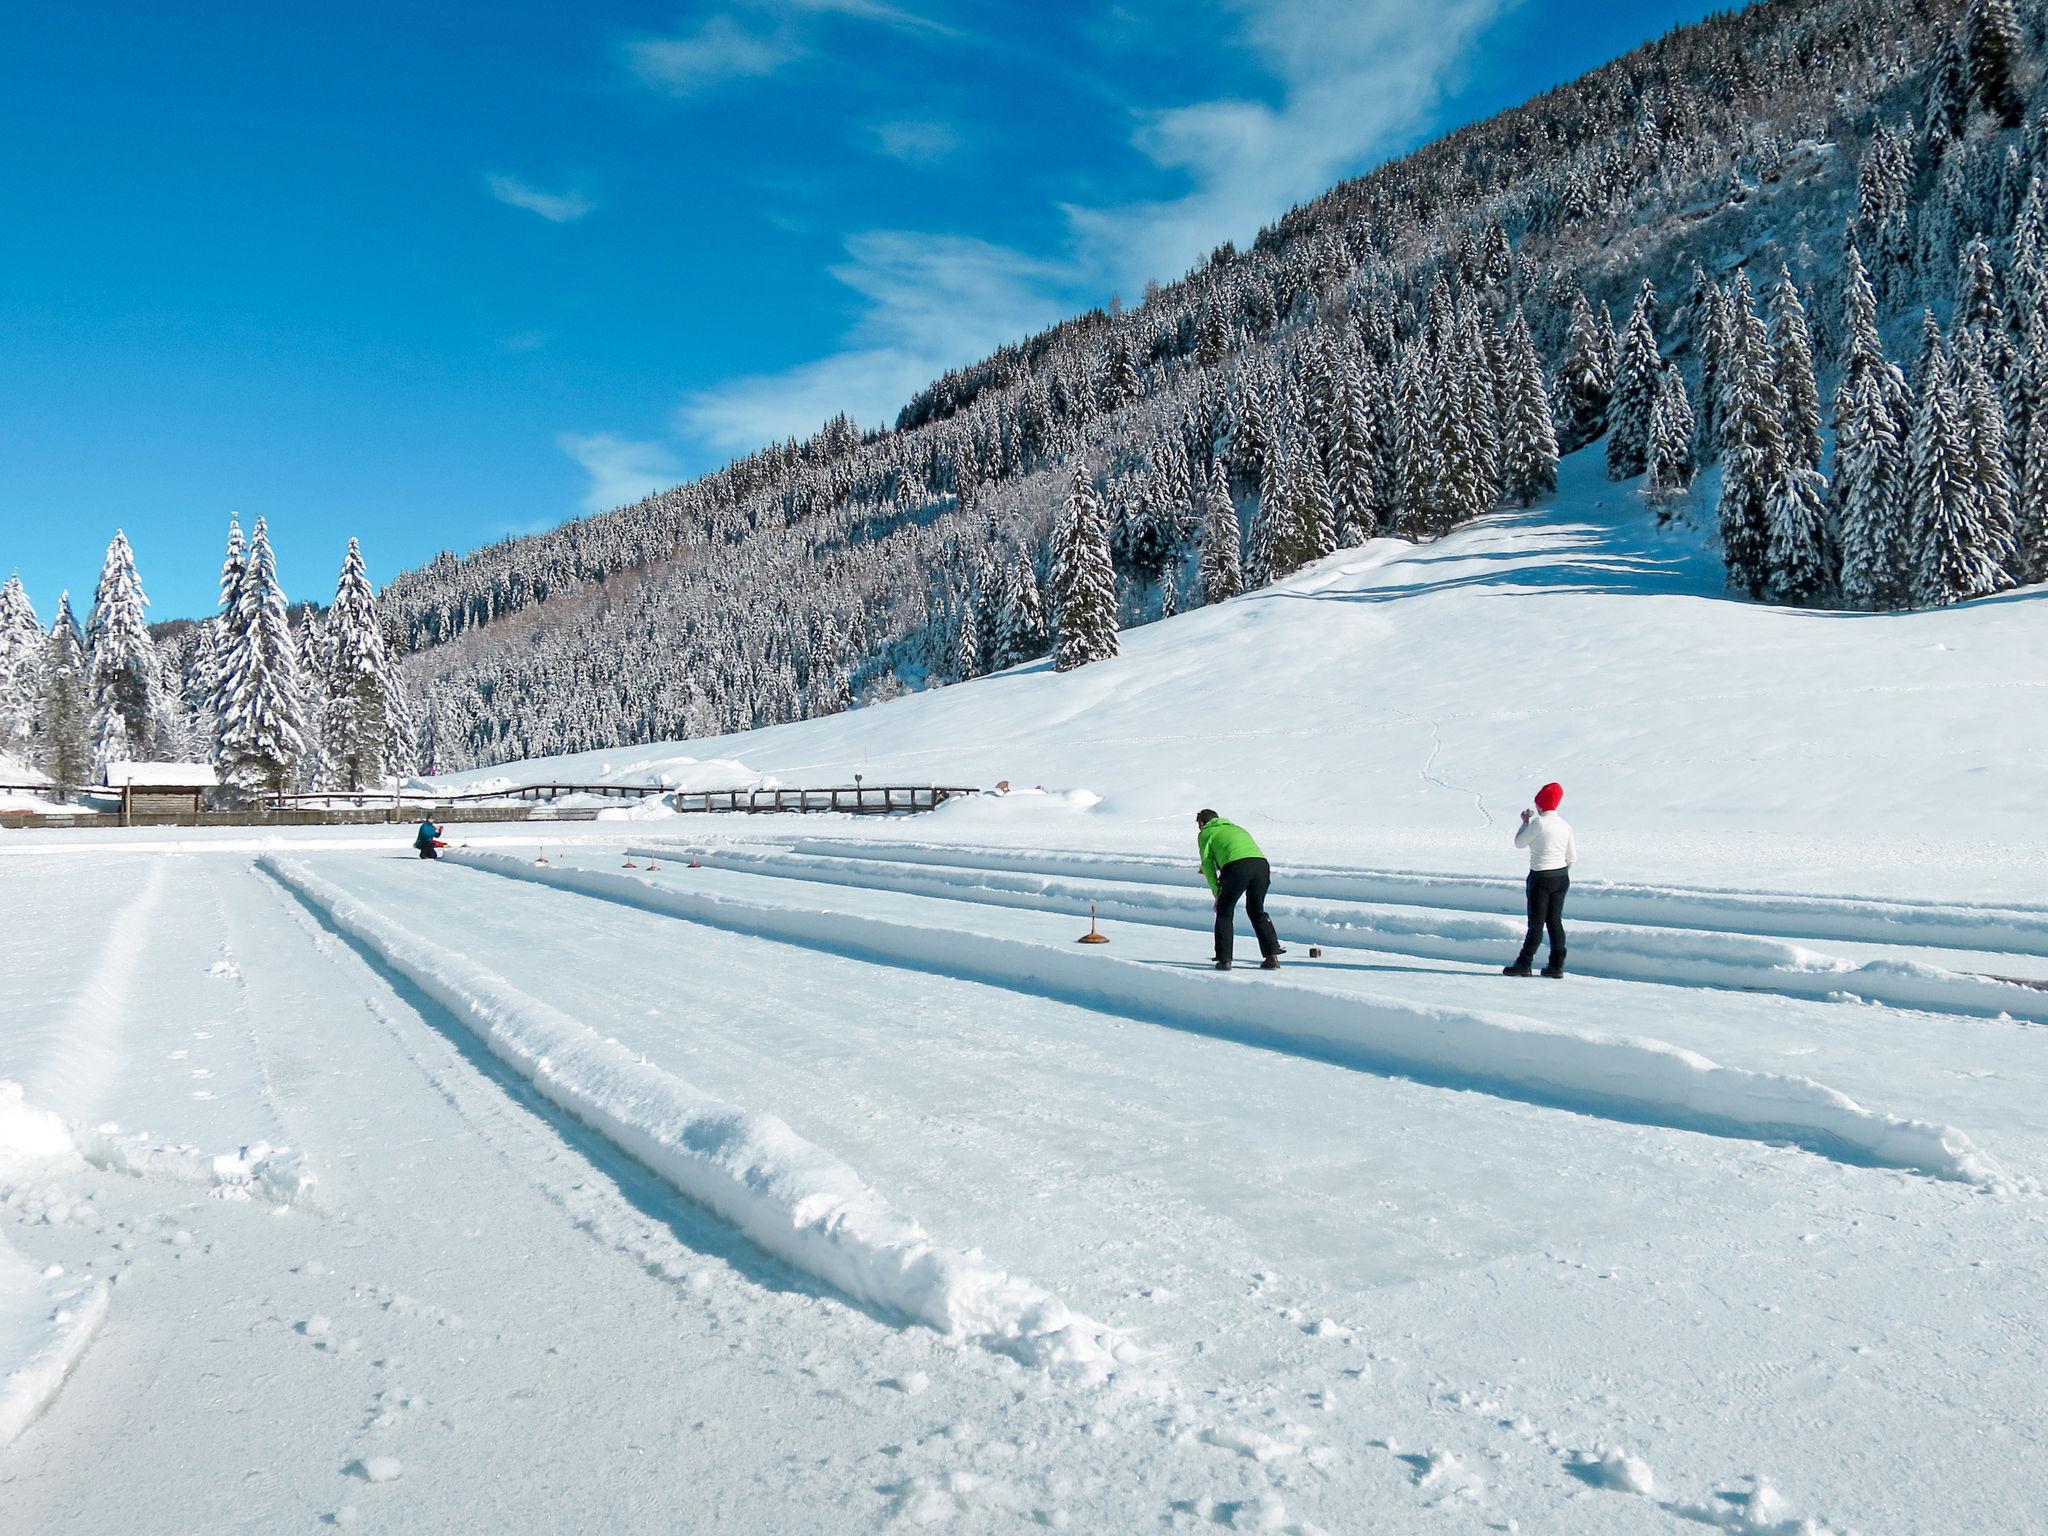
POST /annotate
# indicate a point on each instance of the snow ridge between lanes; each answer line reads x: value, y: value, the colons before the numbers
x: 793, y: 1198
x: 1636, y: 1078
x: 1663, y: 955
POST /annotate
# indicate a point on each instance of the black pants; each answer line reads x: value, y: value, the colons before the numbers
x: 1547, y: 889
x: 428, y: 853
x: 1249, y: 878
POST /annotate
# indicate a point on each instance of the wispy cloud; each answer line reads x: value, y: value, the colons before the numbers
x: 523, y: 341
x: 916, y: 141
x: 932, y: 303
x: 734, y: 45
x: 1350, y: 78
x: 719, y: 50
x: 621, y: 470
x: 555, y: 207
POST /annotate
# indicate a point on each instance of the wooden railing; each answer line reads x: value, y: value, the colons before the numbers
x: 858, y: 799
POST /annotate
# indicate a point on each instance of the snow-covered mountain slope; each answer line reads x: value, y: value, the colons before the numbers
x: 1398, y: 704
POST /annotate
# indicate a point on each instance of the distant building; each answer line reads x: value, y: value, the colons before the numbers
x: 161, y: 789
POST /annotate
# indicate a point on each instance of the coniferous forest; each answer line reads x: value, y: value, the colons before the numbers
x: 1790, y: 264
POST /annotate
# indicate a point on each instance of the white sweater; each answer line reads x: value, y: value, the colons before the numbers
x: 1548, y: 837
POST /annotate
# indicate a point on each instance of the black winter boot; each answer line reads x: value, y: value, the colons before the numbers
x: 1519, y: 968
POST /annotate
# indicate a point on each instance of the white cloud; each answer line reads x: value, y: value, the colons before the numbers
x: 621, y: 470
x: 933, y: 302
x: 916, y: 141
x: 725, y: 48
x: 718, y: 51
x: 555, y: 207
x: 1351, y: 77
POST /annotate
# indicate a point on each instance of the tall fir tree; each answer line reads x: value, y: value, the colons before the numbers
x: 262, y: 716
x: 1023, y: 633
x: 2031, y: 481
x: 1792, y: 353
x: 1352, y: 468
x: 1994, y: 48
x: 1671, y: 462
x: 1953, y: 555
x: 1584, y: 381
x: 1870, y: 495
x: 360, y: 681
x: 1802, y: 557
x: 1222, y: 573
x: 1990, y: 461
x: 1754, y: 454
x: 22, y: 659
x: 1084, y: 583
x: 122, y: 682
x: 1528, y: 465
x: 1635, y: 391
x: 64, y: 742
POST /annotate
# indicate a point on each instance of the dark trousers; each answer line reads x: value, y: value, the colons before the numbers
x: 428, y: 853
x: 1547, y: 889
x: 1250, y: 879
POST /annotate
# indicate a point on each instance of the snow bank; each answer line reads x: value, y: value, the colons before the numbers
x: 1642, y: 1080
x: 1682, y: 956
x: 795, y: 1199
x: 45, y: 1324
x: 45, y: 1320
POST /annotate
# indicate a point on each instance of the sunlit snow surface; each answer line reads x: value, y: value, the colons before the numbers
x: 806, y: 1176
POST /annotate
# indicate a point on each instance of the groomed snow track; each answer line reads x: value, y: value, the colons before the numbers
x: 1619, y: 1077
x: 1143, y: 891
x: 794, y: 1199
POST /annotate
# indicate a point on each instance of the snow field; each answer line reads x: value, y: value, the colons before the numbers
x: 1642, y: 1079
x: 794, y: 1199
x: 1679, y: 956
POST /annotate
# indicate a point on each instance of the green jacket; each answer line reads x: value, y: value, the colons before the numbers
x: 1224, y: 842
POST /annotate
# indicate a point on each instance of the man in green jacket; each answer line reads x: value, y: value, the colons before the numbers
x: 1234, y: 867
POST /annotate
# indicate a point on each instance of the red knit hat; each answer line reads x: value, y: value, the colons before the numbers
x: 1550, y: 797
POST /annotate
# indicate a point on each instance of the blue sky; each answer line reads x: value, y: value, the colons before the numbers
x: 434, y: 274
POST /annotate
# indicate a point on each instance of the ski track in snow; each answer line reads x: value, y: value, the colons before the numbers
x: 1645, y: 1080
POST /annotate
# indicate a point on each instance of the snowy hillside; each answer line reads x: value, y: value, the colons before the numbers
x: 1398, y: 704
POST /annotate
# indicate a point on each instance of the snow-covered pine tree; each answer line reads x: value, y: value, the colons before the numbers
x: 1312, y: 525
x: 1994, y: 50
x: 262, y: 735
x: 1672, y: 465
x: 1084, y: 583
x: 64, y: 743
x: 1870, y: 494
x: 1979, y: 325
x: 22, y: 660
x: 359, y: 680
x: 1528, y: 467
x: 1251, y: 443
x: 1222, y: 572
x: 1635, y: 391
x: 1753, y: 451
x: 1584, y: 383
x: 1948, y: 93
x: 1023, y: 635
x: 1953, y: 557
x: 315, y: 646
x: 966, y: 646
x: 1352, y: 470
x: 1990, y: 461
x: 1269, y: 524
x: 1716, y: 348
x: 2031, y: 453
x: 121, y: 679
x: 1120, y: 384
x: 1802, y: 556
x: 1792, y: 350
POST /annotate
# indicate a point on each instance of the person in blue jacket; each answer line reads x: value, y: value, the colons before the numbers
x: 429, y: 840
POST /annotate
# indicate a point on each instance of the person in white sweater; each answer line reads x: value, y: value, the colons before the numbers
x: 1552, y: 852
